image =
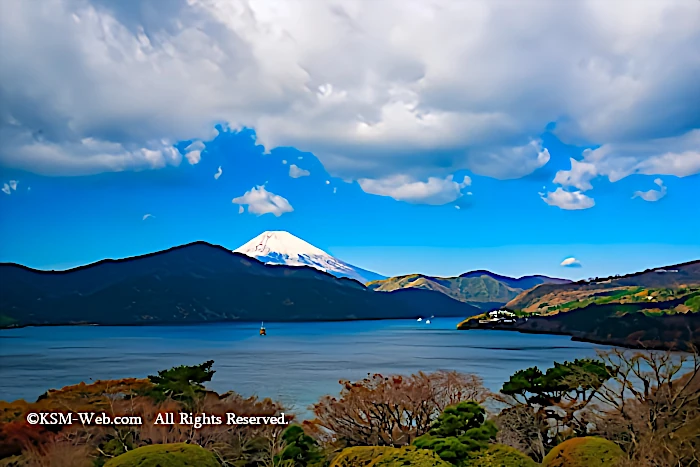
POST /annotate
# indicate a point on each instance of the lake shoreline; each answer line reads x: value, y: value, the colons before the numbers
x: 195, y: 323
x: 589, y: 340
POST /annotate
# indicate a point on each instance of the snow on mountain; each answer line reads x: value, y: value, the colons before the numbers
x: 279, y: 247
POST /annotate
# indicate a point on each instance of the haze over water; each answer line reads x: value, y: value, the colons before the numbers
x: 295, y: 363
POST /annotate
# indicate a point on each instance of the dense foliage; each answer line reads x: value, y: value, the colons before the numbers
x: 460, y: 430
x: 300, y: 448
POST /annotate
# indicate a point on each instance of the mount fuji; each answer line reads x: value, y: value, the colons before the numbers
x: 280, y: 247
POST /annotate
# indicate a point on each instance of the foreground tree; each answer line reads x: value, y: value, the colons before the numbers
x: 553, y: 403
x: 651, y: 407
x: 394, y: 410
x: 182, y: 383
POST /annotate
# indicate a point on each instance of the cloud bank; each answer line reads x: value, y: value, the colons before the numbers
x: 421, y: 90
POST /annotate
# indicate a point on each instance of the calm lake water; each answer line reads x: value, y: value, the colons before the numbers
x: 295, y: 363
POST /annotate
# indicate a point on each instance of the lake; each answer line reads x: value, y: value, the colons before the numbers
x: 296, y: 363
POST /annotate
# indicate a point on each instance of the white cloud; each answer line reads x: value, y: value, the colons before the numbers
x: 6, y: 188
x: 218, y: 173
x: 579, y: 176
x: 146, y: 216
x: 284, y: 162
x: 569, y: 200
x: 457, y: 207
x: 679, y: 156
x: 435, y: 191
x: 571, y: 263
x: 335, y: 189
x: 296, y: 172
x: 241, y: 210
x: 193, y: 152
x: 260, y: 201
x: 652, y: 195
x: 410, y: 96
x: 328, y: 182
x: 13, y: 184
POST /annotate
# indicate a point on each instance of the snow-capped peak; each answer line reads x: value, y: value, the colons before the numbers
x: 282, y: 243
x: 280, y: 247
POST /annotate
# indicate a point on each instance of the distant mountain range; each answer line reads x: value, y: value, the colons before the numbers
x: 279, y: 247
x: 200, y: 282
x: 669, y: 277
x: 483, y: 289
x: 656, y: 308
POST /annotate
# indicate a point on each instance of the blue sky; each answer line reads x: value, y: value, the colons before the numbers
x: 385, y: 135
x: 504, y: 226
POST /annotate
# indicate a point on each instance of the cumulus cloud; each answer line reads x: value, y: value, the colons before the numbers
x: 296, y: 172
x: 335, y: 189
x: 579, y: 176
x: 652, y: 195
x: 571, y: 263
x: 147, y: 216
x: 193, y: 152
x: 13, y: 184
x: 679, y: 156
x: 218, y: 173
x: 6, y: 189
x: 120, y: 84
x: 260, y: 201
x: 435, y: 191
x: 568, y: 200
x: 284, y: 162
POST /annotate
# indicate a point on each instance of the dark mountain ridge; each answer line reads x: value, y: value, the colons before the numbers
x: 200, y: 282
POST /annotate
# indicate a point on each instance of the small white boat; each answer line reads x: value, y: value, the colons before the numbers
x: 419, y: 319
x: 427, y: 321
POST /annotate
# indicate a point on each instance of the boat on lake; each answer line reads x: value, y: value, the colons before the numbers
x: 262, y: 329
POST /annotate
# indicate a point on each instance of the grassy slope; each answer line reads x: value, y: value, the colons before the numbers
x: 483, y: 289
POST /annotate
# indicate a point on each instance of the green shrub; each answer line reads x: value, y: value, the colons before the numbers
x: 410, y: 456
x: 359, y: 456
x: 162, y: 455
x: 299, y: 447
x: 460, y: 430
x: 498, y: 455
x: 384, y: 456
x: 586, y: 451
